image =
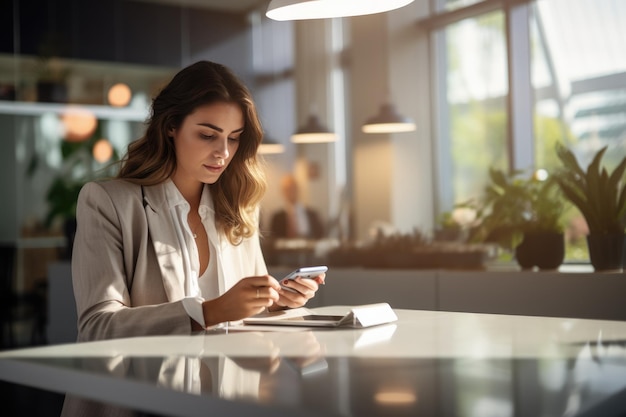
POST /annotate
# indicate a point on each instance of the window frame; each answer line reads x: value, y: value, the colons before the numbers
x: 520, y: 101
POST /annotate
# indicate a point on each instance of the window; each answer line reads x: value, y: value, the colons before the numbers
x: 457, y: 4
x: 475, y: 111
x: 579, y: 82
x: 577, y: 76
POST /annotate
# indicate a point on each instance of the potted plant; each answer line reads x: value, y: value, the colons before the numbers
x: 393, y: 250
x: 600, y: 196
x: 453, y: 226
x: 78, y: 167
x: 522, y: 213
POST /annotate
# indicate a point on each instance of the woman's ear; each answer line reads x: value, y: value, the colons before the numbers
x: 170, y: 132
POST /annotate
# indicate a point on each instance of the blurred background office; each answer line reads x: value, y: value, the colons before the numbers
x: 491, y: 83
x: 295, y: 219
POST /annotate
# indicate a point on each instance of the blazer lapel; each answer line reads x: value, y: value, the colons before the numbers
x: 165, y: 241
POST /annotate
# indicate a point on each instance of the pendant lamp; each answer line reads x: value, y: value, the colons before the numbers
x: 388, y: 120
x: 313, y: 132
x: 270, y: 146
x: 321, y: 9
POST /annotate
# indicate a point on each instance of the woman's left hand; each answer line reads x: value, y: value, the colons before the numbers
x: 305, y: 289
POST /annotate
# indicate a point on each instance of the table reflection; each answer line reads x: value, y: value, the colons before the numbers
x: 589, y: 383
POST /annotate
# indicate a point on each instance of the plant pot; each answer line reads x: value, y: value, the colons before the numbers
x: 606, y: 251
x: 545, y: 250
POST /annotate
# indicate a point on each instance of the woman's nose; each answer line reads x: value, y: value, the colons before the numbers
x: 221, y: 148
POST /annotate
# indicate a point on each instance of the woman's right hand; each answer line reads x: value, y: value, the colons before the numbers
x: 246, y: 298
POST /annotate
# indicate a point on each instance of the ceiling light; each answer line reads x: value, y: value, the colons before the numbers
x: 388, y: 120
x: 102, y: 151
x: 320, y: 9
x: 313, y: 132
x: 79, y: 124
x: 119, y: 95
x: 395, y: 397
x: 270, y: 146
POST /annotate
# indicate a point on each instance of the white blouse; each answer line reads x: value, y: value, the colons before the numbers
x: 203, y: 287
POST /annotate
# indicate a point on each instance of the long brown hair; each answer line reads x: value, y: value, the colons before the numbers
x: 151, y: 159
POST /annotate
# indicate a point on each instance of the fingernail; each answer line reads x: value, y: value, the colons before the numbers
x: 285, y: 281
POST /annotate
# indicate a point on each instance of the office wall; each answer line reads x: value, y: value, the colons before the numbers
x: 393, y: 177
x: 413, y: 189
x: 373, y: 164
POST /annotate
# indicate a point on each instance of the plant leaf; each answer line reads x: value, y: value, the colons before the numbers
x: 569, y: 160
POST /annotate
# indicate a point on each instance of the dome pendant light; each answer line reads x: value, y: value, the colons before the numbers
x: 321, y: 9
x: 388, y: 120
x: 313, y: 132
x: 270, y: 146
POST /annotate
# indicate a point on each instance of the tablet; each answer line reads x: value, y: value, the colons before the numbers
x: 356, y: 317
x: 308, y: 320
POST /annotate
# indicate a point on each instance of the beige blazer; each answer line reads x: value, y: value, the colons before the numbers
x: 127, y: 266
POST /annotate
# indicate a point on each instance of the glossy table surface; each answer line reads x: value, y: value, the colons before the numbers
x: 426, y: 364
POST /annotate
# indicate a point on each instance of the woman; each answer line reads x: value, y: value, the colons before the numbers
x: 171, y: 245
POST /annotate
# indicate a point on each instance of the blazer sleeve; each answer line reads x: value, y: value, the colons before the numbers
x: 111, y: 255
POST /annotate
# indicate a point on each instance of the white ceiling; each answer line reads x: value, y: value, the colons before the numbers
x: 231, y: 6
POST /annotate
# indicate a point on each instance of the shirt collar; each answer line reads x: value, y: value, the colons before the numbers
x: 173, y: 195
x: 175, y: 198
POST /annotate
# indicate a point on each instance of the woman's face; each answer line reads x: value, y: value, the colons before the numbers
x: 206, y: 142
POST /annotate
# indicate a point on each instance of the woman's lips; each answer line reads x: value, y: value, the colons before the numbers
x: 214, y: 168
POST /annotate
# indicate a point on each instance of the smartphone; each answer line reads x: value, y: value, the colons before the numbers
x: 307, y: 272
x: 304, y: 272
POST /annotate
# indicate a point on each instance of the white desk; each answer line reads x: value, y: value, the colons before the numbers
x: 429, y: 363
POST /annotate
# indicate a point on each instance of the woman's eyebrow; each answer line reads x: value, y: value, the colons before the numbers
x: 219, y: 129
